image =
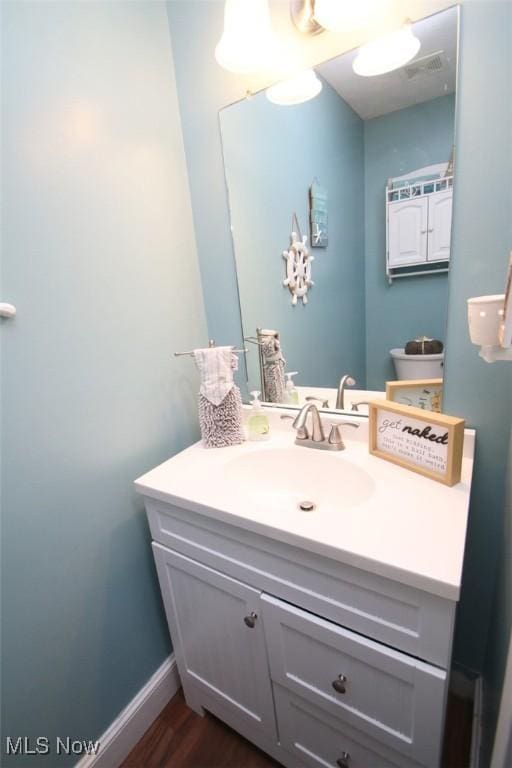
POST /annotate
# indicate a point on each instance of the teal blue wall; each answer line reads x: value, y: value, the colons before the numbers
x: 203, y: 89
x: 98, y: 254
x: 414, y: 306
x: 481, y: 238
x: 272, y: 155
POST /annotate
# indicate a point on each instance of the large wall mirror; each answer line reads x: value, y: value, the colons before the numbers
x: 365, y: 171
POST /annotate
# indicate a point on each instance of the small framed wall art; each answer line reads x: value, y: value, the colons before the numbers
x: 318, y: 216
x: 426, y: 394
x: 423, y: 441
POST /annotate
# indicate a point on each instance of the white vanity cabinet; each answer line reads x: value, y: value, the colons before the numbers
x: 317, y: 662
x: 419, y: 229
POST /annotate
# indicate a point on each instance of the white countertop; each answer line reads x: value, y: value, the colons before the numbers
x: 410, y: 528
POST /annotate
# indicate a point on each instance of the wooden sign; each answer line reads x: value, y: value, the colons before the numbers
x: 422, y: 441
x: 421, y: 393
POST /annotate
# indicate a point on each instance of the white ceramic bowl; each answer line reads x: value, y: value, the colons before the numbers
x: 485, y: 315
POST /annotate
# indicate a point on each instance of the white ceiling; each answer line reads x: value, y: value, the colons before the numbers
x: 374, y: 96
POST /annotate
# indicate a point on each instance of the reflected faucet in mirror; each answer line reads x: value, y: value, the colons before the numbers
x: 345, y: 381
x: 310, y: 398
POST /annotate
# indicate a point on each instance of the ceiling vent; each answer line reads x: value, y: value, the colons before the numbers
x: 424, y: 66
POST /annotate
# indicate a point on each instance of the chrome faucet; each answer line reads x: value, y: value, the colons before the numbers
x: 345, y: 381
x: 318, y: 435
x: 318, y: 439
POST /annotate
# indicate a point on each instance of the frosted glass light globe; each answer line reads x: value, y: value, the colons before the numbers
x: 248, y: 45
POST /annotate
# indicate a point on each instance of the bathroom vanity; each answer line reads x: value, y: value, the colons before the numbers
x: 324, y: 637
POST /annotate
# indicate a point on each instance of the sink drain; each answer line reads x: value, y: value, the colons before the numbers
x: 307, y: 506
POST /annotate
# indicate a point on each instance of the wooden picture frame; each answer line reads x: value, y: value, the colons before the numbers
x: 426, y: 394
x: 423, y: 441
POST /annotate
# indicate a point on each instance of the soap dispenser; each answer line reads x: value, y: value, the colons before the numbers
x: 292, y: 395
x: 258, y: 424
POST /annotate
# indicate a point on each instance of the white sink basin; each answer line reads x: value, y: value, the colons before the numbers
x: 283, y: 478
x: 368, y: 513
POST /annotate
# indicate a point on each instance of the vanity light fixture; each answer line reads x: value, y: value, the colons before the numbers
x: 295, y: 90
x: 341, y: 15
x: 313, y: 16
x: 248, y: 45
x: 386, y: 53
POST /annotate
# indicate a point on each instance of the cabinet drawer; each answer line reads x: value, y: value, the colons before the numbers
x: 395, y: 699
x: 393, y: 613
x: 318, y: 739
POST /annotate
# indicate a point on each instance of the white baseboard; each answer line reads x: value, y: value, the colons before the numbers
x: 131, y: 724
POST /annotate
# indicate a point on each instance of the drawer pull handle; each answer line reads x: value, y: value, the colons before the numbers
x: 339, y: 684
x: 344, y: 760
x: 250, y: 620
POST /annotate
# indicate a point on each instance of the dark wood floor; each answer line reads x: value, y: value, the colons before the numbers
x: 181, y: 739
x: 457, y: 733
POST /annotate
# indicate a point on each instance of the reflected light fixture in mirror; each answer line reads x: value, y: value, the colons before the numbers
x: 248, y: 44
x: 386, y: 53
x: 295, y: 90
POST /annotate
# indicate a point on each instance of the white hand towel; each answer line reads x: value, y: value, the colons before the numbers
x: 216, y: 365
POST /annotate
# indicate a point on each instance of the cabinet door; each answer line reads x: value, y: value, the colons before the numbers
x: 439, y: 226
x: 407, y: 232
x: 219, y: 642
